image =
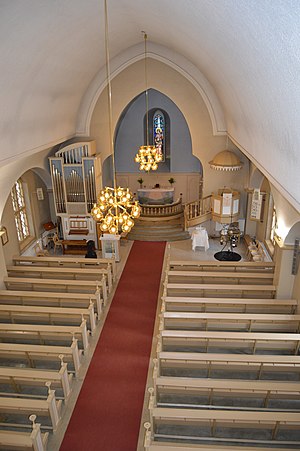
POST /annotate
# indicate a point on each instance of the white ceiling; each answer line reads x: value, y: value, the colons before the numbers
x: 248, y: 50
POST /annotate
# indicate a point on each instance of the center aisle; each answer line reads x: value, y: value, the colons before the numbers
x: 108, y: 410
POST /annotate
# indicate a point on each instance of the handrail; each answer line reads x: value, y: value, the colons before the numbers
x: 162, y: 210
x: 197, y: 211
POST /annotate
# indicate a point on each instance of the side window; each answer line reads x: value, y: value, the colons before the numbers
x: 19, y: 207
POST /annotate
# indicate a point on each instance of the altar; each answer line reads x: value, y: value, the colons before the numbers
x: 155, y: 196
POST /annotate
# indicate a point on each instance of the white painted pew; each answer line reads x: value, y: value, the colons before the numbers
x: 67, y: 261
x: 219, y: 277
x: 273, y: 421
x: 266, y: 390
x: 24, y: 406
x: 237, y: 305
x: 214, y: 265
x: 18, y: 377
x: 251, y: 341
x: 223, y: 290
x: 150, y: 445
x: 34, y: 353
x: 248, y: 322
x: 27, y: 441
x: 45, y: 272
x: 75, y: 300
x: 260, y: 363
x: 61, y: 315
x: 42, y: 332
x: 69, y: 286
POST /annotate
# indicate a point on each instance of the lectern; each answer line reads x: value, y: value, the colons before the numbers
x: 110, y: 246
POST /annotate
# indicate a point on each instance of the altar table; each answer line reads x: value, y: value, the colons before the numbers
x: 200, y: 238
x: 156, y: 196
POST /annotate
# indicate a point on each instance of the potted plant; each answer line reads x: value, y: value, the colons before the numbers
x: 141, y: 181
x: 171, y: 181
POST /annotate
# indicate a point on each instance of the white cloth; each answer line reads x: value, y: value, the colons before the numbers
x: 200, y: 238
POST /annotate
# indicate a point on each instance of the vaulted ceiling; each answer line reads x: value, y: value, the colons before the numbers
x: 244, y: 54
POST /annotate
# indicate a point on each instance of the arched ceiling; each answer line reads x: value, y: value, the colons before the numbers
x: 248, y: 51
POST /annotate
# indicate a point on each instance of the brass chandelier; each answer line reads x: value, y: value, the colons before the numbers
x: 148, y: 156
x: 115, y: 207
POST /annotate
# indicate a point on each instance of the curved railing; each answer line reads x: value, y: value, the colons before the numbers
x: 197, y: 211
x: 162, y: 210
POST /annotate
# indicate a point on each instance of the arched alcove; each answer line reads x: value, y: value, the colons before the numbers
x: 130, y: 135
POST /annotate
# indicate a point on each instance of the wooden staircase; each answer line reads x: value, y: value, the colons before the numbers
x: 159, y: 229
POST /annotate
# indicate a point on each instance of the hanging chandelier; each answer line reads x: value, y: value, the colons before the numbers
x: 148, y: 156
x: 115, y: 207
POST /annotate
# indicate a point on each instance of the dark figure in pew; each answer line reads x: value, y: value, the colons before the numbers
x: 91, y: 253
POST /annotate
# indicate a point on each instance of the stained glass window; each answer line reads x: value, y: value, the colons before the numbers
x: 159, y: 133
x: 18, y: 202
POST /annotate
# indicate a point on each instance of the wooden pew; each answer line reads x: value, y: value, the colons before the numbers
x: 209, y: 363
x: 61, y: 273
x: 224, y: 277
x: 21, y: 440
x: 49, y: 407
x: 19, y: 377
x: 150, y: 445
x: 248, y: 322
x: 52, y: 315
x: 244, y: 423
x: 223, y: 290
x: 214, y: 265
x: 69, y: 300
x: 208, y: 389
x: 42, y: 332
x: 235, y: 305
x: 31, y: 354
x: 68, y: 286
x: 249, y: 341
x: 69, y: 262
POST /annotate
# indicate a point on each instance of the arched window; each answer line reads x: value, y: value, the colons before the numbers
x: 19, y: 207
x: 159, y: 131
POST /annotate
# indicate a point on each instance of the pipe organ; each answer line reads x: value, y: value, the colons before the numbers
x: 76, y: 180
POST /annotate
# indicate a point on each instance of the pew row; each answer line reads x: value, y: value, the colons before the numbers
x: 246, y: 341
x: 206, y: 392
x: 72, y: 300
x: 214, y: 265
x: 18, y: 378
x: 212, y: 364
x: 29, y: 441
x: 32, y: 354
x: 269, y: 427
x: 223, y: 290
x: 49, y: 407
x: 68, y: 262
x: 61, y: 273
x: 243, y: 322
x: 43, y: 333
x: 255, y: 278
x: 235, y: 305
x: 150, y: 445
x: 52, y: 315
x: 70, y: 286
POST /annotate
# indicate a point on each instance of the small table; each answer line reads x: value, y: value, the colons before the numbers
x: 200, y: 238
x: 74, y: 246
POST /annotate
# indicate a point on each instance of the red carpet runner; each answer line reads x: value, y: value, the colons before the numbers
x: 108, y: 410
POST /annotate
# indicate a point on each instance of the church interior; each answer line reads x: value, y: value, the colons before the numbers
x: 150, y: 225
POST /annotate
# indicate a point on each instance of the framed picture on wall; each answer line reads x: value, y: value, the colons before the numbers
x: 4, y: 236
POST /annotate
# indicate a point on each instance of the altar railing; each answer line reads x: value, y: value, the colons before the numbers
x: 162, y: 210
x: 197, y: 212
